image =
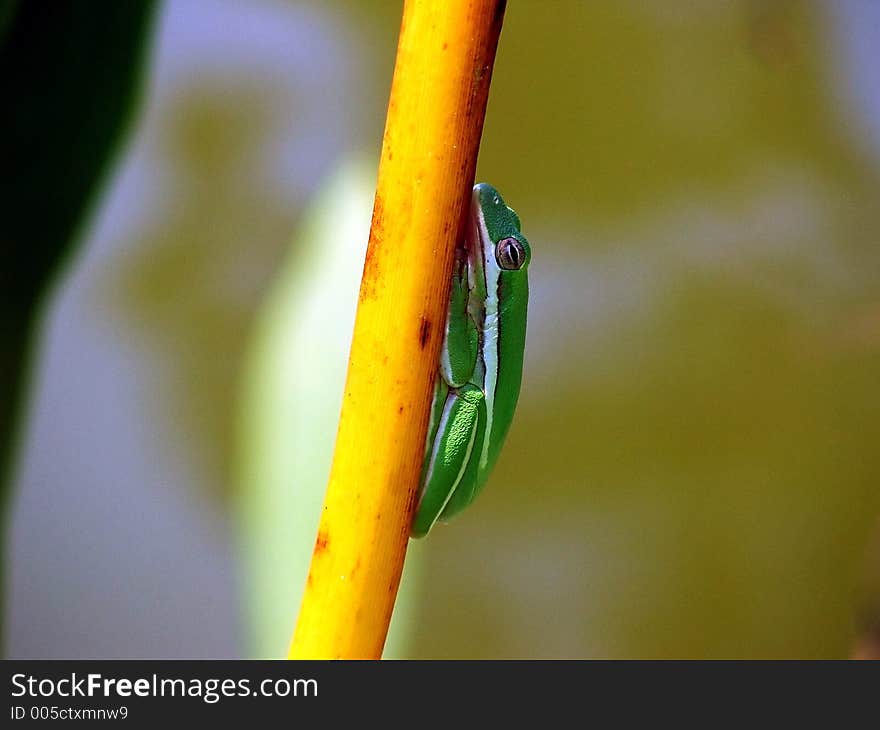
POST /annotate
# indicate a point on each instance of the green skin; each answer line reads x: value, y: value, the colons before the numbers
x: 481, y: 361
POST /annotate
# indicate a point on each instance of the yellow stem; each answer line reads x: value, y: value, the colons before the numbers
x: 441, y: 78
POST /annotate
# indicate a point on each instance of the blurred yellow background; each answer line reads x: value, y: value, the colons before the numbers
x: 693, y: 470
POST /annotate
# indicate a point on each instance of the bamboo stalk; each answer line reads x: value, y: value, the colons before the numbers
x: 435, y: 117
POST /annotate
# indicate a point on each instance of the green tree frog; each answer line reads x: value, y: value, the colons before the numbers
x: 481, y: 362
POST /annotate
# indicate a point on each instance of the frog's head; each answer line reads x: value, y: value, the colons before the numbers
x: 512, y: 251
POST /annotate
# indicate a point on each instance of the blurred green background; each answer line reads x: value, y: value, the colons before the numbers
x: 693, y: 470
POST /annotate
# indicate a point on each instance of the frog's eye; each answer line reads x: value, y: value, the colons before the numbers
x: 510, y: 254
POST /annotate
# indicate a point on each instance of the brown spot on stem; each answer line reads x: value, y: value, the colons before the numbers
x: 411, y: 500
x: 424, y: 332
x: 321, y: 542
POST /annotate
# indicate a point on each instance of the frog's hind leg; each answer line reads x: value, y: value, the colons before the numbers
x: 469, y: 484
x: 456, y: 444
